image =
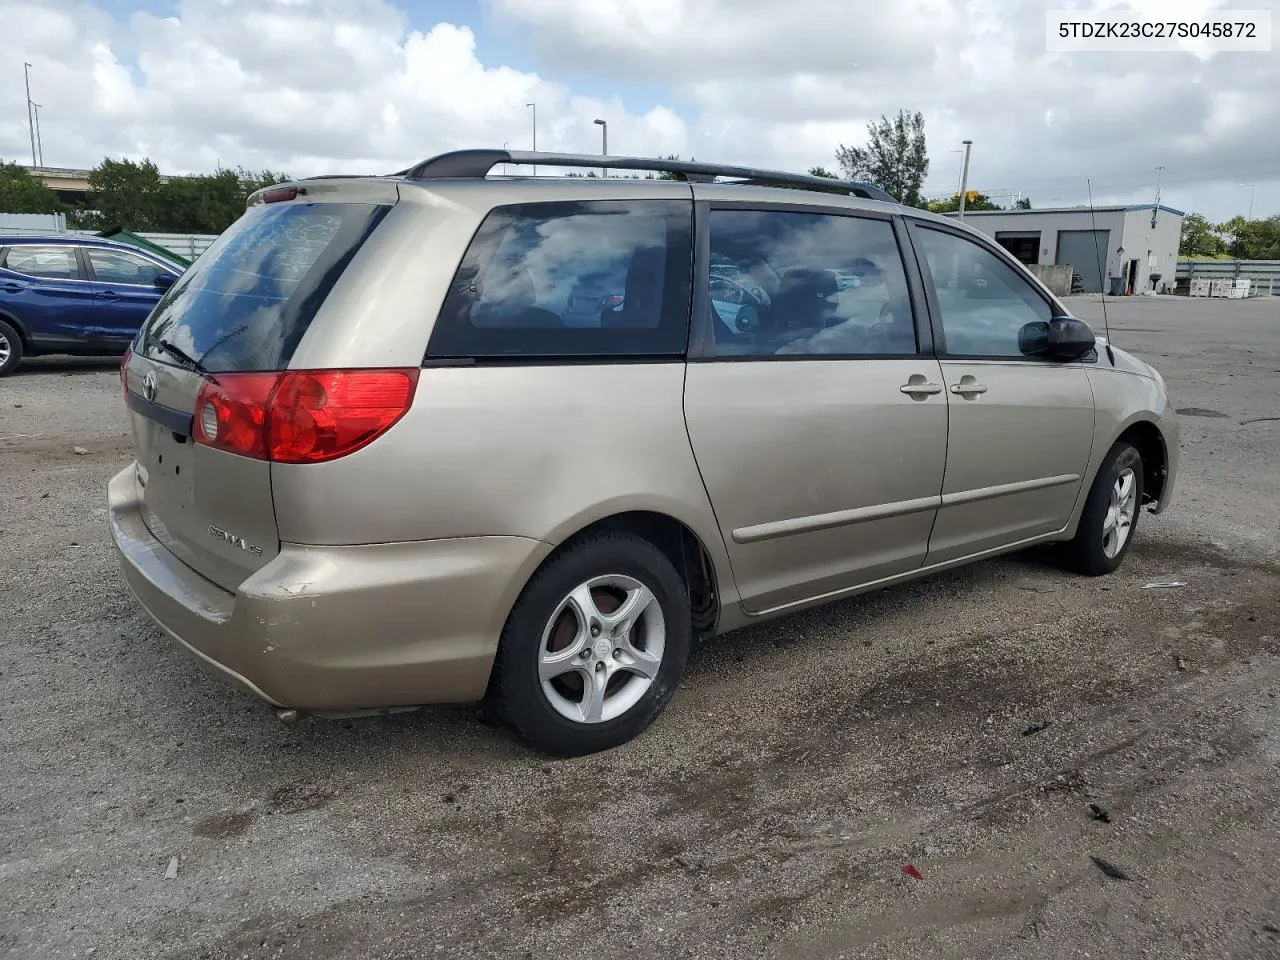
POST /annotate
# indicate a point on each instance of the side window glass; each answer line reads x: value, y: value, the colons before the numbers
x: 115, y: 266
x: 53, y: 263
x: 807, y: 284
x: 983, y: 301
x: 603, y: 278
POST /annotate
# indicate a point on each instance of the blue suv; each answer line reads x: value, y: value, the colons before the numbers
x: 75, y: 295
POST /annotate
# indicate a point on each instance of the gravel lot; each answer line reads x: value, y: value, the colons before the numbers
x: 769, y: 813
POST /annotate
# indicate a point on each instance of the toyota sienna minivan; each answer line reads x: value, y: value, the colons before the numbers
x: 383, y: 461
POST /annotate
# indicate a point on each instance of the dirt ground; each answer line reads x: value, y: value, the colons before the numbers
x: 962, y: 725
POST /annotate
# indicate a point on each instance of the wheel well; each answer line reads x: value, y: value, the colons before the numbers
x: 13, y: 322
x: 1150, y: 445
x: 685, y: 551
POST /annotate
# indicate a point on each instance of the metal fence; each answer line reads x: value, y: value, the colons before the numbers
x: 1264, y: 275
x: 189, y: 245
x: 14, y: 223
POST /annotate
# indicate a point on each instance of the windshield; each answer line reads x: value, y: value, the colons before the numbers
x: 246, y: 302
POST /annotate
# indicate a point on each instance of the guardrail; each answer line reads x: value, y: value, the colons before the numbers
x: 1264, y: 275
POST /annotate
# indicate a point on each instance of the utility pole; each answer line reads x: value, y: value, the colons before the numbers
x: 39, y: 142
x: 31, y: 124
x: 1253, y: 189
x: 1155, y: 207
x: 964, y: 176
x: 534, y: 106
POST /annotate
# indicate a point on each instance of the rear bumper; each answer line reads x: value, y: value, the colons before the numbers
x: 335, y: 628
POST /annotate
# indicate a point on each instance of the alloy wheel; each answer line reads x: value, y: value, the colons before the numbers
x: 601, y: 649
x: 1118, y: 522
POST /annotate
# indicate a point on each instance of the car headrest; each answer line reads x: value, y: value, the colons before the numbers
x: 643, y: 304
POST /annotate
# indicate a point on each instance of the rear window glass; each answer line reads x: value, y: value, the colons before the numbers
x: 246, y: 302
x: 596, y: 279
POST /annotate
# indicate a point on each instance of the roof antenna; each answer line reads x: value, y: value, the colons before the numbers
x: 1097, y: 256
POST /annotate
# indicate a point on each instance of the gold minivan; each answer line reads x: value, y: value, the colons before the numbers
x: 440, y: 436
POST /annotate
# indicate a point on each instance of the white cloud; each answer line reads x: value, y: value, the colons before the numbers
x: 314, y: 86
x: 685, y: 40
x: 308, y: 87
x: 782, y: 84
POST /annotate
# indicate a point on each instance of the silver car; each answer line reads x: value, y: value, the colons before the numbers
x: 376, y: 468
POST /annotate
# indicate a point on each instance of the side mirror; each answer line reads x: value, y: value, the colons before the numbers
x: 163, y: 281
x: 1062, y: 338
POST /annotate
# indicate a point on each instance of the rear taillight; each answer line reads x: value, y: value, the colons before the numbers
x: 301, y: 416
x: 231, y: 413
x: 613, y: 301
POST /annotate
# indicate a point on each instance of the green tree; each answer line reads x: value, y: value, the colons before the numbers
x: 126, y: 194
x: 20, y: 192
x: 1024, y: 203
x: 976, y: 201
x: 209, y: 203
x: 1252, y: 239
x: 822, y: 172
x: 895, y: 157
x: 134, y: 196
x: 202, y: 204
x: 1200, y: 238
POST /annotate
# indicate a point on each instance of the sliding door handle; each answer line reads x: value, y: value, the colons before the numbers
x: 968, y: 387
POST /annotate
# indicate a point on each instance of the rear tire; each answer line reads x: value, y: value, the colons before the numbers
x: 595, y: 647
x: 1110, y: 517
x: 10, y: 349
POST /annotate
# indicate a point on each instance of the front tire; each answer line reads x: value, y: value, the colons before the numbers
x: 1110, y: 516
x: 595, y: 647
x: 10, y: 349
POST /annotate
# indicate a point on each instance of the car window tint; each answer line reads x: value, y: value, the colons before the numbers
x: 247, y: 301
x: 807, y: 284
x: 603, y: 278
x: 54, y: 263
x: 984, y: 303
x: 117, y: 266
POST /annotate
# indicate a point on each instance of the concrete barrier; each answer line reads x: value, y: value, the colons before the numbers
x: 1056, y: 277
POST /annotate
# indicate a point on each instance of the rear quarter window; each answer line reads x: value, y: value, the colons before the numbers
x: 572, y: 280
x: 246, y: 302
x: 49, y: 263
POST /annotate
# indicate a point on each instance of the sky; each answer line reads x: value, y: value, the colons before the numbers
x: 370, y: 86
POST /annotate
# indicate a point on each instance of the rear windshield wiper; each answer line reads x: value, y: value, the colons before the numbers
x: 180, y: 355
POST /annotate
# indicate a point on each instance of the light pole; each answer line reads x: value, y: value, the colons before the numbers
x: 604, y: 143
x: 964, y: 176
x: 31, y: 124
x: 39, y: 142
x: 534, y: 107
x: 1253, y: 189
x: 1155, y: 206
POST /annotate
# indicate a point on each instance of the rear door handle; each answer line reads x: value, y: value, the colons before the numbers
x: 968, y: 387
x: 12, y: 287
x: 109, y: 295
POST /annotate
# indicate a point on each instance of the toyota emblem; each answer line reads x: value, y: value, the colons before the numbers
x: 149, y: 386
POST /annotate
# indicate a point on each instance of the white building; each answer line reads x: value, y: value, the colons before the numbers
x: 1127, y: 245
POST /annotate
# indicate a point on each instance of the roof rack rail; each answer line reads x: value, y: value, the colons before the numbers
x: 476, y: 164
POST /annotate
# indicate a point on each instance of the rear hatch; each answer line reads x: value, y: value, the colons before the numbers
x: 230, y: 324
